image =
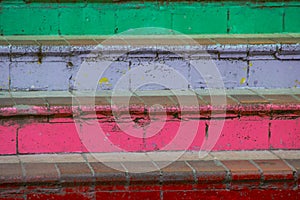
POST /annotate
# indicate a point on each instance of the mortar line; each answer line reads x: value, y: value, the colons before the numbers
x: 194, y: 171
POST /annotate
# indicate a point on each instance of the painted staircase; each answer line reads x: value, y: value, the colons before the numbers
x: 74, y: 125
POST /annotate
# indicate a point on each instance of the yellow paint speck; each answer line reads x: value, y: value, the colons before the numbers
x: 103, y: 80
x: 250, y: 64
x: 243, y: 80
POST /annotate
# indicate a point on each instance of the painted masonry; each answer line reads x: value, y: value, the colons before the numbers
x: 52, y: 111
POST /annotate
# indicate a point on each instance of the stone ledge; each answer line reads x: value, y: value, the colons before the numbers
x: 281, y: 44
x: 262, y: 170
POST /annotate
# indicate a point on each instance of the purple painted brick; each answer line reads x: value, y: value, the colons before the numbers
x: 274, y: 74
x: 4, y: 75
x: 44, y: 76
x: 148, y: 74
x: 231, y: 71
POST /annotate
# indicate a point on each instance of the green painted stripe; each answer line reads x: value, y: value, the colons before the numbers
x: 42, y: 17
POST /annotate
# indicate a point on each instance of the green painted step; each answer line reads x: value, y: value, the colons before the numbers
x: 98, y: 17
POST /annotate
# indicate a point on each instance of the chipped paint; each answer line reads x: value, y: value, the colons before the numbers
x: 103, y: 80
x: 243, y: 80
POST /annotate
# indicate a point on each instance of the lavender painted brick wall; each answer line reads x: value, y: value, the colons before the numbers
x: 4, y: 75
x: 112, y: 74
x: 100, y: 75
x: 45, y: 76
x: 57, y: 70
x: 231, y: 71
x: 274, y: 74
x: 159, y: 74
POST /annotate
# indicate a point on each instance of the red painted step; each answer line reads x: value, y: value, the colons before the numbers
x: 218, y: 175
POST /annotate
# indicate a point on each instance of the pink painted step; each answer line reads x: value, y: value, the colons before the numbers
x: 251, y: 122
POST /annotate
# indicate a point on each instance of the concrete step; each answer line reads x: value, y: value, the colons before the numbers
x: 126, y: 62
x: 216, y: 120
x: 155, y: 175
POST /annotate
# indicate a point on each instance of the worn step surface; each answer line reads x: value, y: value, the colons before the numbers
x: 155, y: 175
x: 48, y: 122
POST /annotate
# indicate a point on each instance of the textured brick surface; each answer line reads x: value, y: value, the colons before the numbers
x: 109, y: 78
x: 295, y: 163
x: 7, y: 102
x: 143, y: 172
x: 8, y: 133
x: 57, y: 42
x: 239, y: 134
x: 188, y: 101
x: 81, y: 42
x: 285, y: 133
x: 23, y: 42
x: 228, y: 71
x: 31, y: 101
x: 62, y: 101
x: 250, y: 99
x: 285, y: 40
x: 126, y: 101
x: 151, y: 74
x: 11, y: 173
x: 134, y: 195
x: 208, y: 171
x: 284, y: 74
x: 85, y: 100
x: 281, y: 99
x: 230, y: 40
x: 29, y: 75
x: 4, y: 76
x: 252, y: 194
x: 242, y: 170
x: 176, y: 171
x: 203, y: 41
x: 243, y: 155
x: 219, y: 100
x: 75, y: 172
x: 163, y: 101
x: 109, y: 173
x: 41, y: 172
x: 275, y: 170
x: 179, y: 179
x: 49, y: 138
